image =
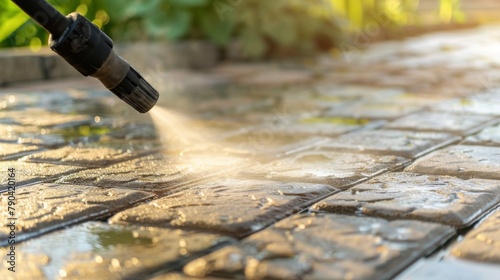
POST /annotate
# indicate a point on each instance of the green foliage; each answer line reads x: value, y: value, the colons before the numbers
x: 173, y: 20
x: 17, y: 29
x: 262, y: 27
x: 285, y: 27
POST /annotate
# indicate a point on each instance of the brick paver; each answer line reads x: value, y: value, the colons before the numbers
x: 28, y: 172
x: 461, y: 161
x: 45, y: 207
x: 324, y: 247
x: 160, y: 174
x: 483, y: 243
x: 446, y: 200
x: 457, y: 124
x: 212, y: 206
x: 101, y: 251
x: 488, y: 137
x: 339, y: 170
x: 402, y: 143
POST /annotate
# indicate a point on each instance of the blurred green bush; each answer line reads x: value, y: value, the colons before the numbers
x: 16, y: 29
x: 261, y: 27
x: 258, y: 27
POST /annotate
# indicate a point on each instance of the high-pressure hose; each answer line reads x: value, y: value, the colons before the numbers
x: 90, y: 51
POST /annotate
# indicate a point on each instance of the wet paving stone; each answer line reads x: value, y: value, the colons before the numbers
x: 27, y: 172
x: 319, y: 246
x: 478, y: 106
x: 488, y: 137
x: 10, y: 133
x: 267, y: 141
x: 181, y: 276
x: 44, y: 118
x: 46, y: 99
x: 210, y: 206
x: 355, y: 91
x: 417, y: 98
x: 461, y: 161
x: 327, y: 126
x: 48, y: 137
x: 82, y: 156
x: 11, y: 150
x: 482, y: 244
x: 101, y: 251
x: 449, y: 268
x: 134, y: 131
x: 402, y: 143
x: 439, y: 199
x: 339, y: 170
x: 370, y: 109
x: 43, y: 207
x: 461, y: 125
x: 156, y: 173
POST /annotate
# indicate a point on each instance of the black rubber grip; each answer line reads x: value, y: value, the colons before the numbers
x: 46, y: 15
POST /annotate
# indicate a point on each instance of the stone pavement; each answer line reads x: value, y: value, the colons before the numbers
x: 374, y: 164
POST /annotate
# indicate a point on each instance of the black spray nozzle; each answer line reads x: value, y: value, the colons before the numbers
x: 90, y: 51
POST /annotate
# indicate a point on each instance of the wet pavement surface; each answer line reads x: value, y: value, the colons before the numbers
x: 378, y: 164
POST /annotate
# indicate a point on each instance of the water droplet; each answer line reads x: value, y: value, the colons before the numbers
x: 135, y: 261
x: 115, y: 263
x: 63, y: 273
x: 224, y: 218
x: 98, y: 259
x: 182, y: 243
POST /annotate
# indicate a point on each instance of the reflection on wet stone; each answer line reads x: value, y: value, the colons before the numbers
x: 100, y: 251
x: 156, y: 173
x: 483, y: 243
x: 448, y: 122
x: 339, y: 170
x: 325, y: 126
x: 356, y: 91
x: 265, y: 143
x: 461, y: 161
x: 47, y: 137
x: 474, y: 106
x: 10, y: 150
x: 181, y: 276
x: 46, y: 206
x: 82, y: 156
x: 28, y: 172
x: 449, y: 268
x: 402, y: 143
x: 488, y: 137
x: 370, y: 109
x: 211, y: 206
x: 43, y: 118
x: 442, y: 199
x: 321, y: 246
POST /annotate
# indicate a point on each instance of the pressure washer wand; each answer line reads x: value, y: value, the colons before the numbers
x: 90, y: 51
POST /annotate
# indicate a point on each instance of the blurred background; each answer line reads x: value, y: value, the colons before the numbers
x: 256, y: 28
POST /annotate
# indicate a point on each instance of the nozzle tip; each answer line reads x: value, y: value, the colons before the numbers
x: 136, y: 92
